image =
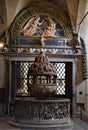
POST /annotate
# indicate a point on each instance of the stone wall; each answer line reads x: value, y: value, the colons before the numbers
x: 82, y: 29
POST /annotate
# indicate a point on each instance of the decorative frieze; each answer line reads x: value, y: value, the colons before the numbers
x: 30, y: 112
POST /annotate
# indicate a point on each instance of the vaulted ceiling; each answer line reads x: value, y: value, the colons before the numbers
x: 10, y: 8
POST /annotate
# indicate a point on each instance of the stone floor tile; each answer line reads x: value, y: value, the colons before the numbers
x: 77, y: 125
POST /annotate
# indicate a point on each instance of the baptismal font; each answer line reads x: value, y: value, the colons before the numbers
x: 42, y: 109
x: 43, y: 77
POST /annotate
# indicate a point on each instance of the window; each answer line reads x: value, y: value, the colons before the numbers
x: 21, y: 77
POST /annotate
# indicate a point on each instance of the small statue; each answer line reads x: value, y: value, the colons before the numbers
x: 74, y: 42
x: 6, y: 37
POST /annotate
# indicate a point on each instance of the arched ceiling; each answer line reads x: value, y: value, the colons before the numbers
x: 10, y: 8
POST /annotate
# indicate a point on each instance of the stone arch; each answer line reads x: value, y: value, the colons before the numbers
x: 49, y: 10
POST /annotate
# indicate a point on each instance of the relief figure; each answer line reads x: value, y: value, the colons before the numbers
x: 31, y: 27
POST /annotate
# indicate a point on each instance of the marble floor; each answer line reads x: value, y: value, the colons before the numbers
x: 78, y: 124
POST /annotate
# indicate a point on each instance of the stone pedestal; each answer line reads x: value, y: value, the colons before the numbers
x: 35, y: 114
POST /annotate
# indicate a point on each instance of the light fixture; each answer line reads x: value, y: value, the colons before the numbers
x: 1, y: 44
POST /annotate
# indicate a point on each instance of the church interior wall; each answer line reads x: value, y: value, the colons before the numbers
x: 81, y: 84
